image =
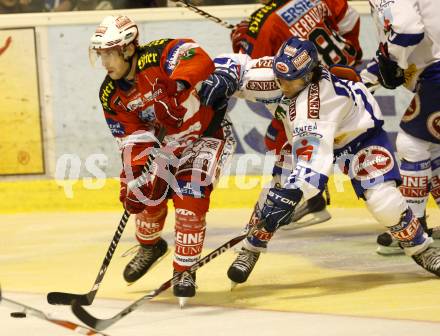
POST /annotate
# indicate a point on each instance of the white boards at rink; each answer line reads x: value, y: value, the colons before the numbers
x: 70, y: 116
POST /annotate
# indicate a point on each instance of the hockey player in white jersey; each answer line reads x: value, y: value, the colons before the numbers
x: 326, y: 118
x: 409, y: 55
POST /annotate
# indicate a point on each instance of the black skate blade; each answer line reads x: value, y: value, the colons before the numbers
x: 60, y: 298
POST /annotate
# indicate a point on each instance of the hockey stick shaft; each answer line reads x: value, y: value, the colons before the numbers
x: 87, y: 299
x: 43, y: 316
x: 201, y: 12
x: 101, y: 324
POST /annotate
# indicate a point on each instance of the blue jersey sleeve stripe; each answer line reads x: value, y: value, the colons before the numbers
x: 405, y: 40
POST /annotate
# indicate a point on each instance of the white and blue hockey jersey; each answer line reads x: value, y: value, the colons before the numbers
x: 411, y: 30
x: 325, y: 117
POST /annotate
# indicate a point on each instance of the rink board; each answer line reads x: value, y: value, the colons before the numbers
x: 21, y: 143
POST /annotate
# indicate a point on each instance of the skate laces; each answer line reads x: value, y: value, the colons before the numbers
x: 429, y: 259
x: 245, y: 260
x: 186, y: 280
x: 141, y: 259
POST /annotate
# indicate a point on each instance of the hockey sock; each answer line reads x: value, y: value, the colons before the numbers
x: 435, y: 181
x: 149, y: 225
x: 189, y: 236
x: 416, y: 177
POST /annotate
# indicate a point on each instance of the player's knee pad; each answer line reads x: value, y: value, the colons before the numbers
x: 149, y: 224
x: 386, y: 203
x: 190, y: 235
x: 412, y: 149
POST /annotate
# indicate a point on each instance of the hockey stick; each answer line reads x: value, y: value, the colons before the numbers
x: 62, y: 298
x: 101, y: 324
x: 201, y: 12
x: 27, y: 310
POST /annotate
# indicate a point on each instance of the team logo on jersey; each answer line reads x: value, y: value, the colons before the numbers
x: 148, y: 58
x: 282, y: 67
x: 413, y: 109
x: 135, y: 104
x: 148, y: 114
x: 116, y: 127
x: 433, y: 124
x: 191, y: 189
x: 258, y: 18
x: 314, y: 102
x: 105, y: 95
x: 294, y: 10
x: 370, y: 163
x: 254, y: 85
x: 292, y: 109
x: 187, y: 55
x: 264, y: 63
x: 306, y: 130
x: 305, y: 149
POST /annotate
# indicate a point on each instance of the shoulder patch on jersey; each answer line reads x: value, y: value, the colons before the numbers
x: 433, y: 124
x: 258, y: 18
x: 106, y: 92
x: 413, y: 109
x: 150, y: 53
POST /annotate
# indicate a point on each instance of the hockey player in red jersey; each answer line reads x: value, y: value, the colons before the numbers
x: 333, y: 26
x: 147, y: 88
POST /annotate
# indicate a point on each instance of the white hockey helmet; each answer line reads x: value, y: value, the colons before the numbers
x: 114, y: 31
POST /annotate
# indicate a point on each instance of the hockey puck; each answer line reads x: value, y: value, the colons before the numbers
x: 18, y: 314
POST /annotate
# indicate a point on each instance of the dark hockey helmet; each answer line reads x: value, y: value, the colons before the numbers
x: 295, y: 59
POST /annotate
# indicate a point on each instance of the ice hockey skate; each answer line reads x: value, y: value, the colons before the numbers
x: 388, y: 245
x: 184, y: 288
x: 242, y: 266
x: 145, y: 258
x: 312, y: 211
x: 429, y: 260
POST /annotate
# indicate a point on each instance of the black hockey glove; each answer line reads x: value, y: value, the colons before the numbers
x: 216, y: 90
x: 279, y: 207
x: 391, y: 75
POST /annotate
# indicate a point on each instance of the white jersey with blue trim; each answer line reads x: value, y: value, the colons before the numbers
x: 324, y: 117
x: 257, y: 81
x: 412, y: 32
